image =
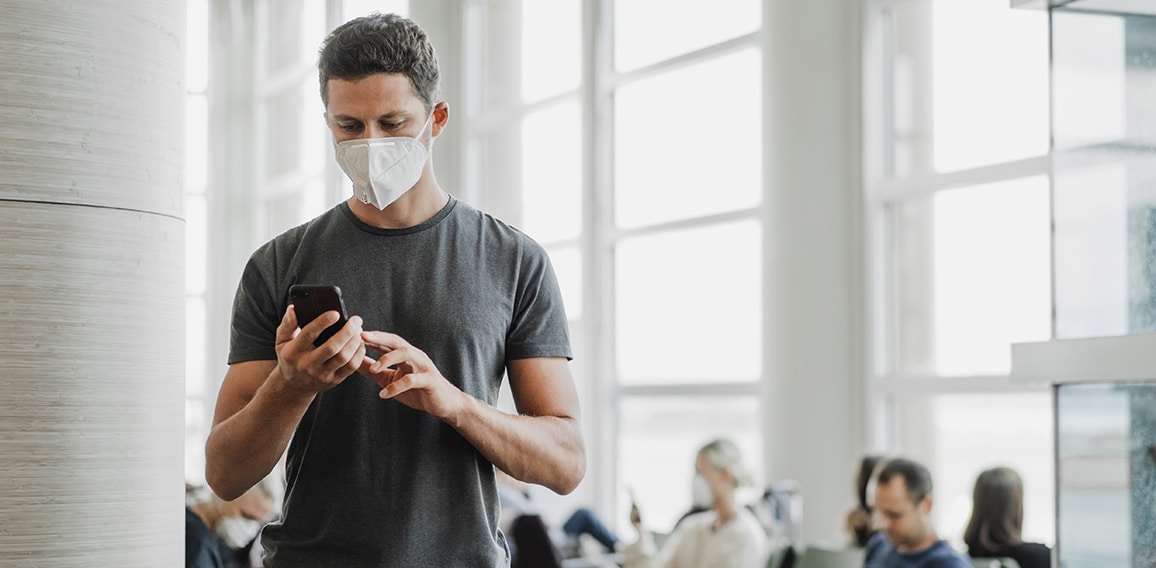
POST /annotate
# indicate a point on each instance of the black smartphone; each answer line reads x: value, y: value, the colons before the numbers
x: 312, y: 301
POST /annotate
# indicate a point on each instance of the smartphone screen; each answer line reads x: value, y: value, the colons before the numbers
x: 312, y: 301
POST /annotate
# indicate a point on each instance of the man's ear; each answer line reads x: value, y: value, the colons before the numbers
x: 925, y: 504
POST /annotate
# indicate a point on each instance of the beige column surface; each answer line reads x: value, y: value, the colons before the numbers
x: 91, y: 283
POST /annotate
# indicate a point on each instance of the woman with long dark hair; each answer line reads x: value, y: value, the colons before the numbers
x: 997, y: 517
x: 858, y: 522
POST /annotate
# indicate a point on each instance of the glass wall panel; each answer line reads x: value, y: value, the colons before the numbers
x: 353, y: 8
x: 1107, y: 468
x: 567, y: 264
x: 552, y: 173
x: 285, y: 28
x: 658, y: 438
x: 197, y: 56
x: 958, y: 436
x: 677, y: 158
x: 281, y: 213
x: 649, y: 31
x: 283, y: 140
x: 985, y: 102
x: 196, y: 143
x: 551, y: 47
x: 972, y: 276
x: 686, y: 297
x: 1104, y: 173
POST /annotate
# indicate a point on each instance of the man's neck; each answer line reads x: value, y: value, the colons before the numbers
x: 413, y: 208
x: 924, y: 543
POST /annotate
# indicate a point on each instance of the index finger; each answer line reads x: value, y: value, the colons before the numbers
x: 383, y: 340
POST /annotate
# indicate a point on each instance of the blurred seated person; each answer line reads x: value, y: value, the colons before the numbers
x: 901, y: 501
x: 530, y: 538
x: 727, y: 535
x: 858, y: 522
x: 997, y: 517
x: 221, y: 534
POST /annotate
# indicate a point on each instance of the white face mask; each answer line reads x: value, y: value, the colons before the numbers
x: 700, y: 492
x: 383, y: 169
x: 237, y: 531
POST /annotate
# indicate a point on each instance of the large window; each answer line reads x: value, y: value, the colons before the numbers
x: 609, y: 140
x: 958, y: 188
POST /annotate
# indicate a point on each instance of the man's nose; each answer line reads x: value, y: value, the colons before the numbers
x: 373, y: 131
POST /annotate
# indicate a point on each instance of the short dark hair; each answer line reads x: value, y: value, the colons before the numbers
x: 380, y: 43
x: 997, y: 510
x: 914, y: 474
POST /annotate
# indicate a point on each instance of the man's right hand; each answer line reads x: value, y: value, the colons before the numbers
x: 310, y: 369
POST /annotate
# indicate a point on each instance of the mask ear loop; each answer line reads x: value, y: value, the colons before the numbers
x: 428, y: 122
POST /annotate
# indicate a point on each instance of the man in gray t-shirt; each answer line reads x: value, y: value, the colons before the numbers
x: 389, y: 426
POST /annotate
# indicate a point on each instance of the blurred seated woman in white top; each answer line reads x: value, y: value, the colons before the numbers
x: 725, y: 536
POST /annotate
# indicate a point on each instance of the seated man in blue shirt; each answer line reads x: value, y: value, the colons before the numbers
x: 903, y: 512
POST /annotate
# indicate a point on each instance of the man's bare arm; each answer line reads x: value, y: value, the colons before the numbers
x: 541, y: 444
x: 261, y: 402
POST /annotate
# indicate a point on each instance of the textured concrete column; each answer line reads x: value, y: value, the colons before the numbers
x: 813, y: 356
x: 91, y: 283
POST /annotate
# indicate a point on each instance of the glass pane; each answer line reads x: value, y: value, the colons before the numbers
x: 197, y: 57
x: 196, y: 143
x: 286, y: 24
x: 648, y: 31
x: 353, y: 8
x: 1104, y: 174
x: 972, y: 276
x: 657, y: 442
x: 284, y: 129
x: 1107, y: 468
x: 1090, y: 74
x: 673, y: 162
x: 316, y: 140
x: 502, y: 51
x: 195, y: 354
x: 1092, y: 237
x: 958, y: 436
x: 552, y: 173
x: 551, y: 47
x: 281, y: 213
x: 196, y: 432
x: 951, y: 93
x: 568, y: 268
x: 196, y: 244
x: 664, y: 293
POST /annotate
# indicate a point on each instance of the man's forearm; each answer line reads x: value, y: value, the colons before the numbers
x: 545, y: 450
x: 244, y: 448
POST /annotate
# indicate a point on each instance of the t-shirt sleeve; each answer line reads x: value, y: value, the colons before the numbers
x: 257, y: 311
x: 538, y: 327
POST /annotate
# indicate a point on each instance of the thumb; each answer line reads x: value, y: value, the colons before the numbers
x: 287, y: 330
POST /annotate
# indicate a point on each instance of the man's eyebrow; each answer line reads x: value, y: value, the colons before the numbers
x: 387, y: 116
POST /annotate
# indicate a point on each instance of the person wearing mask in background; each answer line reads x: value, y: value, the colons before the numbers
x: 859, y: 523
x: 565, y: 541
x: 902, y: 509
x: 726, y: 536
x: 218, y: 532
x: 997, y: 518
x: 389, y: 427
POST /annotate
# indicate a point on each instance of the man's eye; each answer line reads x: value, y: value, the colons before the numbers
x: 391, y: 125
x: 349, y: 127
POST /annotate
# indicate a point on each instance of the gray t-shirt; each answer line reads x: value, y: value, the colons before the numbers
x: 372, y: 482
